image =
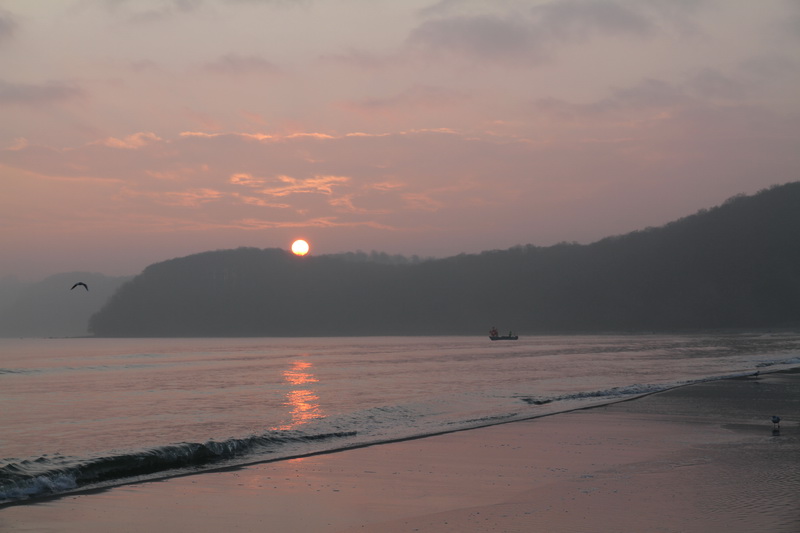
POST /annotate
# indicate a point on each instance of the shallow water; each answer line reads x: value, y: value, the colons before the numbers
x: 86, y: 412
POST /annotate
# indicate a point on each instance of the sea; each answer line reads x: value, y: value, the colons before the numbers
x: 86, y: 413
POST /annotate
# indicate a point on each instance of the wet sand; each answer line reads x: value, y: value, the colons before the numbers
x: 702, y: 458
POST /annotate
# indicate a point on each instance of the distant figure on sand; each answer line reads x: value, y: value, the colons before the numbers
x: 776, y: 422
x: 80, y: 284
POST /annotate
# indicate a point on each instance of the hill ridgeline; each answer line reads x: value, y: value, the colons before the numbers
x: 734, y: 266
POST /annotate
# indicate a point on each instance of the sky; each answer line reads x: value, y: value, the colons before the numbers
x: 135, y: 131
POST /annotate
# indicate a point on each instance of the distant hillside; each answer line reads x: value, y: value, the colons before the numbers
x: 733, y: 266
x: 50, y: 309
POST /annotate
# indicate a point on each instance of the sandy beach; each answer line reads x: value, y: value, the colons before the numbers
x: 702, y: 458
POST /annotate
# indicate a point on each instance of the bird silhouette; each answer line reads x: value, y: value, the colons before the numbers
x: 80, y: 284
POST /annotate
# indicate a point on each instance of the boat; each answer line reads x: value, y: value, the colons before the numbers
x: 495, y: 336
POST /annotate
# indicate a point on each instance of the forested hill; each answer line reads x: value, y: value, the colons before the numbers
x: 733, y: 266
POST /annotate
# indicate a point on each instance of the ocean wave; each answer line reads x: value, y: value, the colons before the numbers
x: 792, y: 361
x: 611, y: 394
x: 486, y: 420
x: 57, y: 474
x: 18, y: 371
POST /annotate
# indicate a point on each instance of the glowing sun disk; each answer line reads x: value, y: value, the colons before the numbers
x: 300, y: 247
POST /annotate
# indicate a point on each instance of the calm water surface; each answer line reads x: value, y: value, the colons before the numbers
x: 79, y: 413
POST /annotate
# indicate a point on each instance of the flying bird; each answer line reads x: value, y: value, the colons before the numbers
x: 80, y: 284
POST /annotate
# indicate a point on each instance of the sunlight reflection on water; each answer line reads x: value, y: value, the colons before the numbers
x: 304, y: 403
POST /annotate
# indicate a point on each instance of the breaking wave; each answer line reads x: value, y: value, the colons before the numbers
x: 57, y: 474
x: 612, y: 394
x: 792, y: 361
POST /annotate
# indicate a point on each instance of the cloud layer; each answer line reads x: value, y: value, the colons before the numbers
x: 420, y: 127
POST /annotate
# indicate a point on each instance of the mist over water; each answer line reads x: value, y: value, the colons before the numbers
x: 86, y: 412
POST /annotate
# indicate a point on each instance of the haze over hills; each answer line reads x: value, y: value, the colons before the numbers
x: 49, y: 308
x: 733, y: 266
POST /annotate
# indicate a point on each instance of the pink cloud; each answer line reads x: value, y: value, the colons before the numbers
x: 417, y: 187
x: 314, y: 184
x: 456, y: 127
x: 261, y: 202
x: 131, y: 142
x: 197, y: 170
x: 247, y: 180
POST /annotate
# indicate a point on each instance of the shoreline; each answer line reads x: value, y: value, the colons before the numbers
x: 166, y: 476
x: 654, y: 456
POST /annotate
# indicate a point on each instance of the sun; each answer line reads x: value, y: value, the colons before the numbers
x: 300, y: 247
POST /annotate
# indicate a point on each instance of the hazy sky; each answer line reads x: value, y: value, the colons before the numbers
x: 134, y: 131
